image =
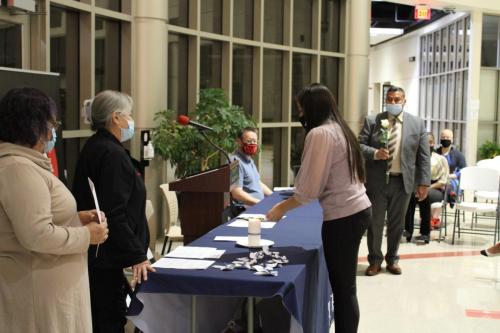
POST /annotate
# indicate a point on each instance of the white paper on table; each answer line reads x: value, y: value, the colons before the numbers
x: 276, y: 189
x: 176, y: 263
x: 149, y: 254
x: 229, y: 238
x: 244, y: 224
x: 195, y: 252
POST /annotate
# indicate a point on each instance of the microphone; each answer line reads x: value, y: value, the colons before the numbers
x: 184, y: 120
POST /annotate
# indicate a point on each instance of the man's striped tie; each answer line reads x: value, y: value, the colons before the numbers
x: 393, y: 140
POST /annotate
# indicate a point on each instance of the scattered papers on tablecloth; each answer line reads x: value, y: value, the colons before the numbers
x: 262, y: 262
x: 229, y: 238
x: 177, y: 263
x: 239, y: 223
x: 195, y: 252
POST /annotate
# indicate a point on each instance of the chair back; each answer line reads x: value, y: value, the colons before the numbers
x: 479, y: 179
x: 151, y: 225
x: 171, y: 205
x: 487, y: 163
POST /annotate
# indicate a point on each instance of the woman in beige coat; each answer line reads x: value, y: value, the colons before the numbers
x: 44, y: 284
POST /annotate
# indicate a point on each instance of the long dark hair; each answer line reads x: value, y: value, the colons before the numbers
x: 319, y: 106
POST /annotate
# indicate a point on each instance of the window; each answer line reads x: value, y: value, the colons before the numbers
x: 330, y: 75
x: 211, y: 16
x: 115, y: 5
x: 178, y: 12
x: 178, y: 73
x: 490, y: 42
x: 301, y: 77
x: 330, y: 25
x: 270, y: 166
x: 272, y: 86
x: 273, y: 21
x: 10, y: 45
x: 242, y: 77
x: 210, y: 64
x: 302, y: 23
x: 243, y: 19
x: 107, y: 54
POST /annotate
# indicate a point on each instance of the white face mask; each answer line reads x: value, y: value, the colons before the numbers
x: 127, y: 133
x: 49, y: 145
x: 394, y: 109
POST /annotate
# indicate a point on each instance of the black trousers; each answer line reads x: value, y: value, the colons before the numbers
x: 341, y: 239
x: 107, y: 298
x: 425, y: 211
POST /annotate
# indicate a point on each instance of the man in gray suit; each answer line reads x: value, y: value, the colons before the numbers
x: 397, y: 157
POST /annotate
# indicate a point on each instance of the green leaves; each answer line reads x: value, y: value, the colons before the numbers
x: 185, y: 148
x: 489, y: 150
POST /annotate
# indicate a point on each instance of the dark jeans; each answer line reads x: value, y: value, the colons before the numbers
x: 425, y: 212
x: 341, y: 239
x: 107, y: 298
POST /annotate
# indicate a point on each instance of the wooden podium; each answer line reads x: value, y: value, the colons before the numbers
x: 203, y: 198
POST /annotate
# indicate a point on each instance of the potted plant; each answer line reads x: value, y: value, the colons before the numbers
x: 489, y: 150
x: 185, y: 147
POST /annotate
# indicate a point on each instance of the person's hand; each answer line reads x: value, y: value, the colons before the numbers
x: 382, y: 154
x: 422, y: 191
x: 87, y: 216
x: 453, y: 176
x: 276, y: 213
x: 98, y: 232
x: 141, y: 272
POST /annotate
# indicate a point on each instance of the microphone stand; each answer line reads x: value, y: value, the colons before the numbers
x: 202, y: 132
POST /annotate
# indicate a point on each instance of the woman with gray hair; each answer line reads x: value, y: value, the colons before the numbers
x: 122, y: 196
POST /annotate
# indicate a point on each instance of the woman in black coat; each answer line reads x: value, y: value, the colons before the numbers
x: 122, y: 196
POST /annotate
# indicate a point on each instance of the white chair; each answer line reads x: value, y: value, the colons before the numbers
x: 486, y: 163
x: 173, y: 232
x: 476, y: 179
x: 151, y: 225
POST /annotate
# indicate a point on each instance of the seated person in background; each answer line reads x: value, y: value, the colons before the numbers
x: 439, y: 176
x: 456, y: 162
x: 249, y: 189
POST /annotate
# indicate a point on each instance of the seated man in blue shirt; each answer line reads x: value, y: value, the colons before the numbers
x: 249, y: 189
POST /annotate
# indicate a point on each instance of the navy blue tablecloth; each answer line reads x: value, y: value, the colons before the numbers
x: 303, y: 283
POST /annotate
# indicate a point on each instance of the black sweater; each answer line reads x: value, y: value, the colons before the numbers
x: 122, y: 197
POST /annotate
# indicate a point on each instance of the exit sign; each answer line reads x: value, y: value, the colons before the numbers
x: 422, y: 13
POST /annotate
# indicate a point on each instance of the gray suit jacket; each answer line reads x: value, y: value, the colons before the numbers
x: 415, y: 154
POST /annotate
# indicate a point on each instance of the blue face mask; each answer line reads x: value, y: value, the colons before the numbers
x: 49, y: 145
x: 127, y: 133
x: 394, y: 109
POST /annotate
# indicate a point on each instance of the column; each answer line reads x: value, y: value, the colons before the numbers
x: 356, y: 72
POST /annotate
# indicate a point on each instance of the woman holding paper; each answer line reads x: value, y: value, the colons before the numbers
x: 43, y: 240
x: 332, y: 171
x: 122, y: 195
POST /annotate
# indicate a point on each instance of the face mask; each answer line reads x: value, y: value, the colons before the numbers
x: 127, y: 133
x: 394, y: 109
x: 445, y: 143
x: 303, y: 121
x: 49, y: 145
x: 250, y: 149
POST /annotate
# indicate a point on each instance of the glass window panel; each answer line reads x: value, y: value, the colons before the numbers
x: 451, y: 97
x: 460, y: 44
x: 464, y: 95
x: 298, y: 137
x: 430, y: 54
x: 270, y: 156
x: 242, y: 77
x: 490, y: 40
x: 302, y: 23
x: 435, y: 104
x: 210, y: 64
x: 452, y: 43
x: 10, y: 45
x: 107, y: 54
x: 428, y: 110
x: 444, y: 50
x: 272, y: 86
x: 178, y: 73
x: 301, y: 77
x: 421, y: 100
x: 64, y: 59
x: 109, y: 4
x: 442, y: 97
x: 330, y: 75
x: 211, y: 16
x: 423, y: 56
x: 243, y: 19
x: 330, y: 25
x: 178, y: 12
x: 467, y: 42
x: 437, y: 51
x: 458, y: 96
x: 273, y: 21
x: 486, y: 132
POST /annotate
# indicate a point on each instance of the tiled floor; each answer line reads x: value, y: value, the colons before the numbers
x: 443, y: 288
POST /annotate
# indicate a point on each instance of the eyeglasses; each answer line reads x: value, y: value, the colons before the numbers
x: 250, y: 142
